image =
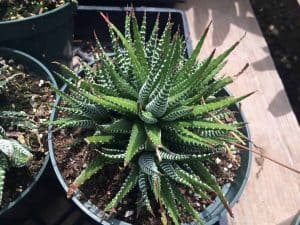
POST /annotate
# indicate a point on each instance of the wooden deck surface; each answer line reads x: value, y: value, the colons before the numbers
x: 273, y: 196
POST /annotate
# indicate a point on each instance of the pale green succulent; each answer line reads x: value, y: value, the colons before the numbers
x: 154, y: 110
x: 12, y: 154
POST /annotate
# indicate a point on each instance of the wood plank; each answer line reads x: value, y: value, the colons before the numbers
x: 273, y: 197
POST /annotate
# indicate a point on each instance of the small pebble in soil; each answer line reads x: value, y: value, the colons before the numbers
x: 218, y: 160
x: 19, y: 189
x: 41, y: 83
x: 273, y: 30
x: 129, y: 213
x: 20, y: 67
x: 21, y: 139
x: 10, y: 62
x: 225, y: 169
x: 233, y: 149
x: 197, y: 204
x: 229, y: 166
x: 42, y: 120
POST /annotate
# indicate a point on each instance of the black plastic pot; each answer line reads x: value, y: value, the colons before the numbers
x: 17, y: 211
x: 84, y: 31
x: 48, y: 36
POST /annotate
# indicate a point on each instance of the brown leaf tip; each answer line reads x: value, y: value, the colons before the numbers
x: 71, y: 190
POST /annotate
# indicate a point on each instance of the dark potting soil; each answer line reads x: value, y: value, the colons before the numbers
x: 280, y: 23
x: 19, y: 9
x: 25, y: 92
x: 72, y: 155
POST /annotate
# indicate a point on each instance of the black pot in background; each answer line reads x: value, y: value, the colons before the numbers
x: 154, y: 3
x: 87, y: 20
x: 17, y: 211
x: 84, y: 31
x: 48, y: 37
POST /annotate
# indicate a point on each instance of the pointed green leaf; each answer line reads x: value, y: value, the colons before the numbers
x: 207, y: 177
x: 147, y: 117
x: 154, y: 134
x: 144, y: 190
x: 139, y: 48
x: 121, y: 126
x: 67, y: 72
x: 138, y: 69
x: 171, y: 156
x: 198, y: 124
x: 112, y: 156
x: 136, y: 141
x: 191, y: 61
x: 126, y: 187
x: 170, y: 171
x: 221, y: 104
x: 120, y: 105
x: 177, y: 113
x: 92, y: 168
x: 183, y: 201
x: 200, y: 187
x: 147, y: 164
x: 3, y: 167
x: 168, y: 199
x: 99, y: 139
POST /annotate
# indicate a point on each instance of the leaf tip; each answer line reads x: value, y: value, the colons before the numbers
x: 87, y: 141
x: 126, y: 162
x: 105, y: 18
x: 73, y: 187
x: 56, y: 63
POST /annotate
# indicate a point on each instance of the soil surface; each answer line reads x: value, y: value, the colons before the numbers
x: 280, y: 23
x: 25, y: 92
x: 19, y: 9
x: 73, y: 155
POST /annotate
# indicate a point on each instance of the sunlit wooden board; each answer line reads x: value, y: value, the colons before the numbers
x: 273, y: 197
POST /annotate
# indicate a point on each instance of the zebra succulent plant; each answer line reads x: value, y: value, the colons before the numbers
x: 12, y: 154
x: 154, y: 110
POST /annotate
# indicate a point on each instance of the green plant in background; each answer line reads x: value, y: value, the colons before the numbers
x: 156, y: 111
x: 12, y: 154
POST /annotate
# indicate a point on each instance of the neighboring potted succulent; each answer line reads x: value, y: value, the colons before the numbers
x: 26, y: 97
x: 147, y: 127
x: 41, y: 28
